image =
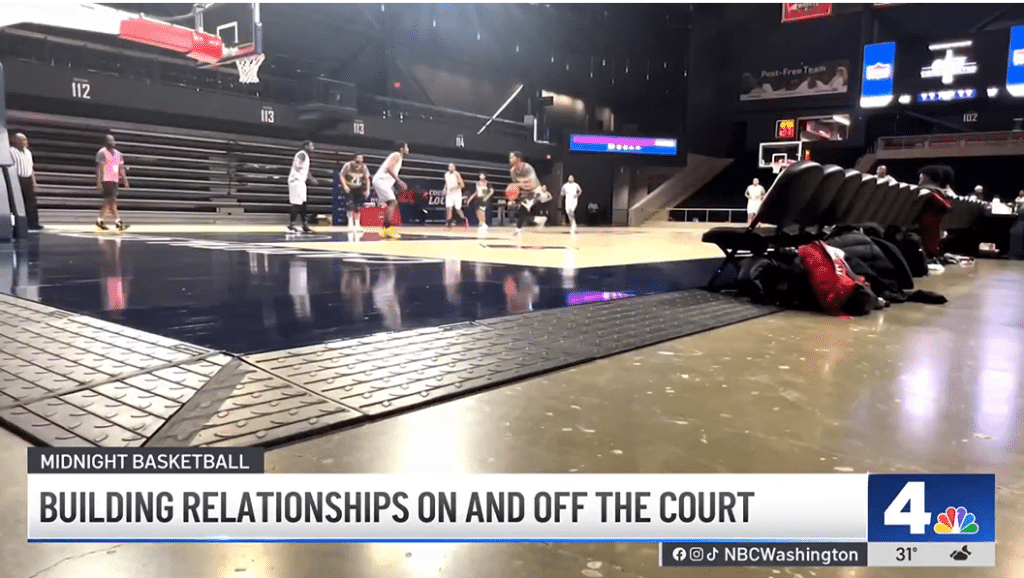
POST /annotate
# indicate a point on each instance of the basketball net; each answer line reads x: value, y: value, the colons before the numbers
x: 249, y: 68
x: 778, y: 166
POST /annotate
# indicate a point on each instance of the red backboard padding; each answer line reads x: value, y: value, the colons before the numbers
x: 197, y: 45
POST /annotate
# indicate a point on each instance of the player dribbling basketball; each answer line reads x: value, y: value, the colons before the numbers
x: 384, y: 183
x: 529, y: 189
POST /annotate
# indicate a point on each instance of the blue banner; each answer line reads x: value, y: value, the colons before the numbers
x: 879, y: 69
x: 932, y: 508
x: 1015, y: 63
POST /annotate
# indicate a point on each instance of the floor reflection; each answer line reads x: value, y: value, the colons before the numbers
x: 245, y: 298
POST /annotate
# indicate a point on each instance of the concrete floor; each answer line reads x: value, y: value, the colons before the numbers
x: 918, y: 388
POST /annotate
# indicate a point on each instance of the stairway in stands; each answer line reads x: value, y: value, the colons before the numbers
x: 654, y: 207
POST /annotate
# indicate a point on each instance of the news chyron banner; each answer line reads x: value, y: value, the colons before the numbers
x: 224, y: 495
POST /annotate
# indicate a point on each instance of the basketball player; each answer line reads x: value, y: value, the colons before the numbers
x: 755, y: 195
x: 571, y: 192
x: 525, y: 178
x: 453, y: 185
x: 298, y: 178
x: 479, y: 200
x: 355, y: 176
x: 109, y: 172
x: 384, y: 183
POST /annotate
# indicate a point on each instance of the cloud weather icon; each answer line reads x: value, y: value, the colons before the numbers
x: 956, y: 521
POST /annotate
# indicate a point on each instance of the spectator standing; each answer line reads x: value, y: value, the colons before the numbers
x: 882, y: 172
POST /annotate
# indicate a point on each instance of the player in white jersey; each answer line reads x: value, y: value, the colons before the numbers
x: 453, y: 186
x: 298, y: 178
x: 571, y: 192
x: 384, y: 183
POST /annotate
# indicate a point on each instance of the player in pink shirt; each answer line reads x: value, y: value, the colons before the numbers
x: 109, y: 172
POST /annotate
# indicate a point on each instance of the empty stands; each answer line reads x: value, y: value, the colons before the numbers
x: 178, y: 174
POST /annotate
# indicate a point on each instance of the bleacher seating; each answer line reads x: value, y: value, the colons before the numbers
x: 807, y: 197
x: 182, y: 171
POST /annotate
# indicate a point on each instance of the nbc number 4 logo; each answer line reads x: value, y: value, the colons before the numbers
x: 907, y: 509
x: 911, y: 499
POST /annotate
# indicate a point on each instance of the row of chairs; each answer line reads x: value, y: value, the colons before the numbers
x: 808, y: 199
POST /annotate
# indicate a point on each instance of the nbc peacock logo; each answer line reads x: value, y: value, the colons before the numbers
x: 956, y: 521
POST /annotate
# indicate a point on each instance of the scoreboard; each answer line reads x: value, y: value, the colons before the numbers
x: 785, y: 129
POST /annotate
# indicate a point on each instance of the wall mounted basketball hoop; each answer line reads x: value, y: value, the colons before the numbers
x: 225, y: 35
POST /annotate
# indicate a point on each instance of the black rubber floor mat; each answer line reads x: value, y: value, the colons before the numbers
x: 217, y: 399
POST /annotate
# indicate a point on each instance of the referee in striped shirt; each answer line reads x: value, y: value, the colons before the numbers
x: 27, y: 178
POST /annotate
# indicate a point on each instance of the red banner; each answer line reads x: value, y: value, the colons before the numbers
x: 796, y: 11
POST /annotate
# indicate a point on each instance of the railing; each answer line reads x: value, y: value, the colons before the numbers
x: 403, y: 109
x: 950, y: 141
x: 685, y: 215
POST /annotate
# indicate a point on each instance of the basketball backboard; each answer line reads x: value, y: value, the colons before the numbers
x: 235, y: 24
x: 773, y: 152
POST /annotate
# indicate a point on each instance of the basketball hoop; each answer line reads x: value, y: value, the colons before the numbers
x: 779, y: 166
x: 249, y: 68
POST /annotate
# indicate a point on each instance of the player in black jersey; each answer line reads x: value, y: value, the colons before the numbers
x: 355, y: 177
x: 531, y: 193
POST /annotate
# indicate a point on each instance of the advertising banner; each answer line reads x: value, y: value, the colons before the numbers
x: 800, y: 79
x: 796, y: 11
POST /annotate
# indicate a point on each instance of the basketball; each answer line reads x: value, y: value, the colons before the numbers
x: 512, y: 192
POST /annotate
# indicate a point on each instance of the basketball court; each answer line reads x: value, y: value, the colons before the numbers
x: 346, y: 321
x: 549, y: 247
x: 458, y: 351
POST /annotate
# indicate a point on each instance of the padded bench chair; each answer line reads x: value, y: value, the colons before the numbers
x: 783, y: 204
x: 844, y: 198
x: 901, y: 203
x: 814, y: 214
x: 861, y: 198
